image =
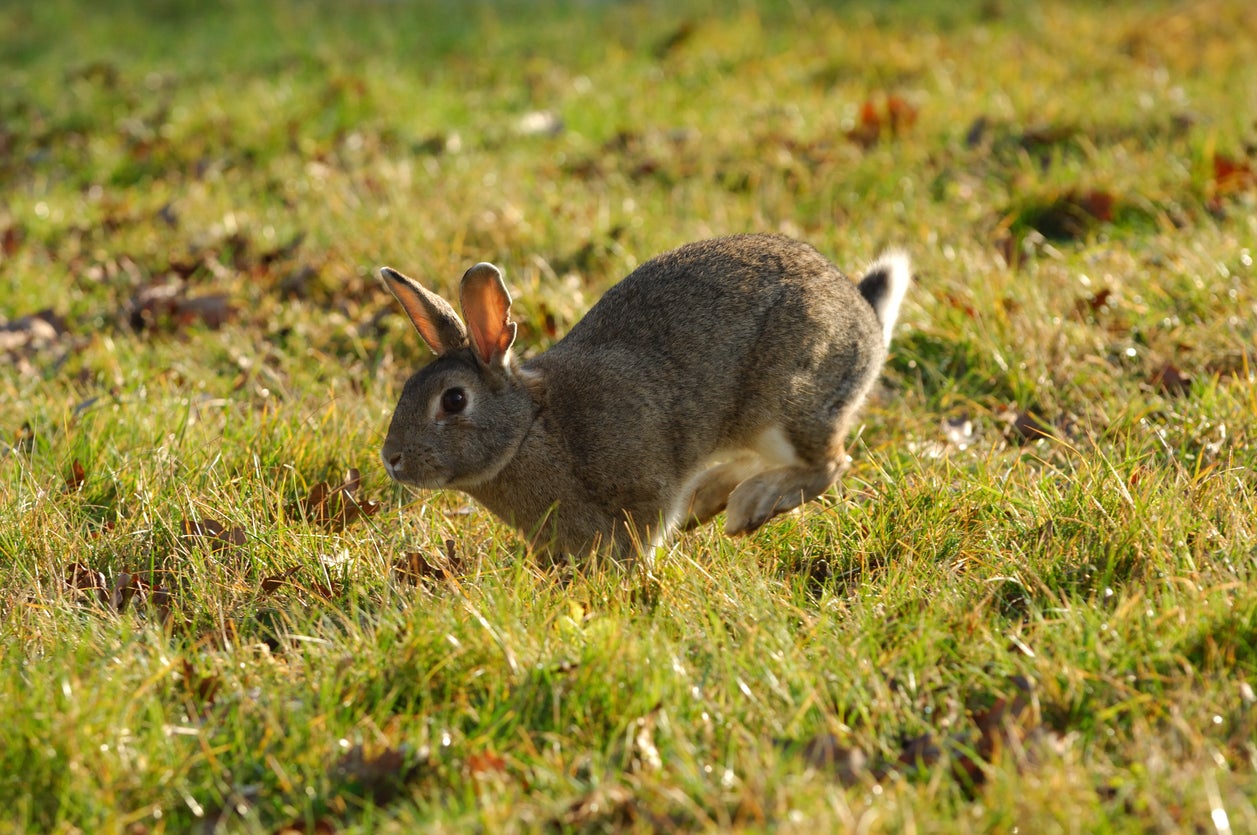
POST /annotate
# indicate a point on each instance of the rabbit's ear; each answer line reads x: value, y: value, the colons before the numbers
x: 431, y: 315
x: 487, y: 306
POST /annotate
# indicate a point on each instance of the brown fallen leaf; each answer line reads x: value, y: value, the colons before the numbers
x: 75, y: 477
x: 900, y: 114
x: 1007, y: 727
x: 675, y: 39
x: 324, y: 591
x: 162, y: 602
x: 1004, y: 728
x: 486, y: 764
x: 125, y: 587
x: 1171, y: 381
x: 336, y: 507
x: 1100, y: 302
x: 30, y: 333
x: 612, y: 805
x: 202, y: 690
x: 298, y: 283
x: 921, y: 751
x: 1068, y: 215
x: 81, y: 578
x: 274, y: 581
x: 1025, y: 426
x: 116, y: 596
x: 1231, y: 176
x: 380, y: 775
x: 1008, y: 721
x: 1045, y: 135
x: 213, y: 533
x: 11, y: 240
x: 414, y: 567
x: 889, y: 122
x: 1233, y: 367
x: 168, y: 307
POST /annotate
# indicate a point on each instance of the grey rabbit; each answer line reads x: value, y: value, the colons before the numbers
x: 723, y: 375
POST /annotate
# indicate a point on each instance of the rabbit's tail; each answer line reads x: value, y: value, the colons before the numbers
x: 884, y: 286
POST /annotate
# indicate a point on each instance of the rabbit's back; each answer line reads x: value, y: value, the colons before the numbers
x: 720, y: 334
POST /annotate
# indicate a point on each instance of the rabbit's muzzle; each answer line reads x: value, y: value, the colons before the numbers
x: 393, y: 462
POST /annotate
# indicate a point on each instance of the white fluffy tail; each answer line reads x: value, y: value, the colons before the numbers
x: 883, y: 287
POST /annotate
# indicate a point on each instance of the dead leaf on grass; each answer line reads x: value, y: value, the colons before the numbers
x: 117, y: 595
x: 486, y: 765
x: 168, y: 307
x: 1008, y: 722
x: 11, y: 240
x: 24, y: 438
x: 75, y: 476
x: 414, y: 567
x: 1232, y: 176
x: 921, y: 751
x: 1068, y: 215
x: 336, y: 507
x: 1233, y: 367
x: 1171, y: 381
x: 1100, y: 303
x: 275, y: 581
x: 213, y: 533
x: 610, y: 804
x: 30, y: 333
x: 379, y: 775
x: 675, y: 39
x: 81, y: 578
x: 887, y: 122
x: 201, y: 690
x: 1003, y: 729
x: 125, y: 587
x: 1023, y: 426
x: 299, y: 283
x: 1006, y: 728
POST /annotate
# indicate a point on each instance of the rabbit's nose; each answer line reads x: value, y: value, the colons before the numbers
x: 392, y: 462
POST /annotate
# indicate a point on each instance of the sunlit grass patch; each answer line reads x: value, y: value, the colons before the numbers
x: 1027, y: 606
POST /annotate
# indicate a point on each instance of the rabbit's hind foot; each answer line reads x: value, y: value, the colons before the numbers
x: 711, y: 493
x: 763, y: 496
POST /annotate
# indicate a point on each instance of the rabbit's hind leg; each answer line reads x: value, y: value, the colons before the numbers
x: 711, y: 493
x: 763, y: 496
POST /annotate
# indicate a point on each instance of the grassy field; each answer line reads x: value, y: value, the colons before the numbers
x: 1030, y: 606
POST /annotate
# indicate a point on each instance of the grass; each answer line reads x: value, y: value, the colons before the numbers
x: 1029, y: 607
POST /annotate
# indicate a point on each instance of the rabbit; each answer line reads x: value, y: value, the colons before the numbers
x: 720, y: 376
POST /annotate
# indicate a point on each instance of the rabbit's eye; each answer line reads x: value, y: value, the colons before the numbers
x: 453, y: 401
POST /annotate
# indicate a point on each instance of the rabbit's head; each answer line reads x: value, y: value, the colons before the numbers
x: 462, y: 417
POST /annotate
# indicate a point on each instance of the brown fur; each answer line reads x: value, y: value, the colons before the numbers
x: 724, y: 373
